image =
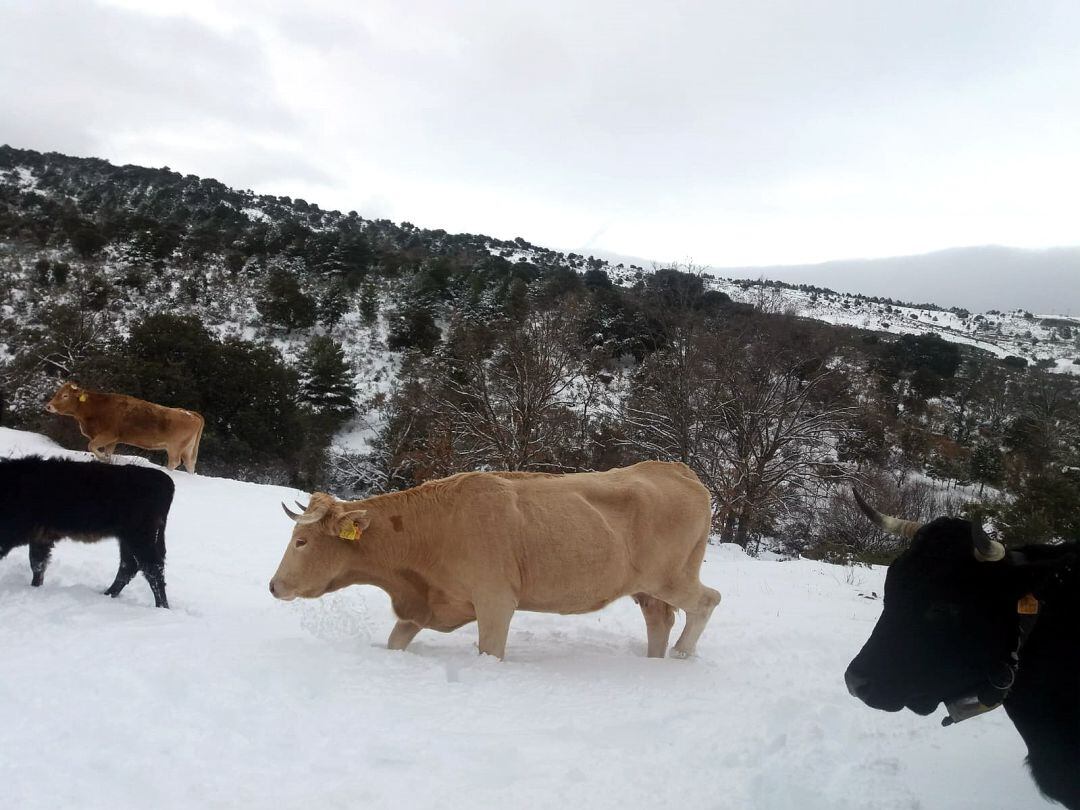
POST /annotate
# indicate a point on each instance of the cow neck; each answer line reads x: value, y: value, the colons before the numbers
x: 998, y: 684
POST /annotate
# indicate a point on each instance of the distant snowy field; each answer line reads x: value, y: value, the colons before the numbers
x: 233, y: 700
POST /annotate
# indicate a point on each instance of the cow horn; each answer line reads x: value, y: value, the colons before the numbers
x: 305, y: 518
x: 302, y: 507
x: 904, y: 528
x: 986, y: 548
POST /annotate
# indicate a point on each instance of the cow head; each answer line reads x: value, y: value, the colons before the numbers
x: 949, y: 618
x: 66, y: 400
x: 325, y: 538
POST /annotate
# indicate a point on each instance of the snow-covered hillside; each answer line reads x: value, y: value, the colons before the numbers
x: 1052, y: 339
x: 233, y: 700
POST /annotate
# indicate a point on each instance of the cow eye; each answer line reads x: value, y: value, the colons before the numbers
x: 300, y: 542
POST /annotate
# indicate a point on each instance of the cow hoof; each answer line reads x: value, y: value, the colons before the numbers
x: 681, y: 654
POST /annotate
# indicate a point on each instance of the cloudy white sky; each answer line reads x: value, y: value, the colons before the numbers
x: 727, y: 133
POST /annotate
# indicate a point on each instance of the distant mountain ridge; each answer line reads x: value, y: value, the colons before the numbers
x: 1046, y: 281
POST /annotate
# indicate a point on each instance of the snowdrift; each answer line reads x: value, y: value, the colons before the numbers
x: 234, y: 700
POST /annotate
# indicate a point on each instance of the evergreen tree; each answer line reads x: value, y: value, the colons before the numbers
x: 283, y: 302
x: 333, y: 305
x: 987, y: 465
x: 326, y: 385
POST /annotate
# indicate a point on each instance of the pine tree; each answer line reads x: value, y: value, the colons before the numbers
x: 284, y: 303
x: 326, y: 385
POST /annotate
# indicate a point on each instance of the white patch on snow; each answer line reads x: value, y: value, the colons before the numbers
x: 255, y: 214
x: 25, y: 179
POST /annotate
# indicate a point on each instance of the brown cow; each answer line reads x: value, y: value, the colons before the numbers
x: 111, y: 419
x: 478, y: 546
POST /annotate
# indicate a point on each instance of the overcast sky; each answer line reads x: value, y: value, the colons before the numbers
x: 726, y: 133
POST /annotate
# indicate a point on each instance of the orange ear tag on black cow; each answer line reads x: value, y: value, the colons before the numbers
x: 1027, y: 605
x: 350, y: 531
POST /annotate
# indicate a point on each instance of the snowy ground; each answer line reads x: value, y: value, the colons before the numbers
x: 233, y: 700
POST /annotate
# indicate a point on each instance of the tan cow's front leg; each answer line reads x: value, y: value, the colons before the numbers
x: 402, y: 634
x: 493, y: 618
x: 102, y: 446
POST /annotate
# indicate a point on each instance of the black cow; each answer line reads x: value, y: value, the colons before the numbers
x: 42, y: 500
x: 974, y: 626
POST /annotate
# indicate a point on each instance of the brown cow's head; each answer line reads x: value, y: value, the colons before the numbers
x: 66, y: 400
x: 322, y: 543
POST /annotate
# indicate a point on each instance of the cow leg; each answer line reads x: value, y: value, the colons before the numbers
x: 174, y: 457
x: 39, y: 561
x: 152, y: 564
x: 102, y: 446
x: 493, y: 617
x: 189, y: 455
x: 659, y: 619
x: 698, y: 602
x: 155, y: 575
x: 128, y: 568
x: 402, y: 634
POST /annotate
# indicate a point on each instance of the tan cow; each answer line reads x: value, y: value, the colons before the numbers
x: 478, y: 546
x: 111, y: 419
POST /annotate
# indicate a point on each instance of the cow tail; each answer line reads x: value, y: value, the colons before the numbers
x: 195, y: 443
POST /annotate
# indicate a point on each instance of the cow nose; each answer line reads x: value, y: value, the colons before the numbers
x: 856, y: 682
x: 272, y: 593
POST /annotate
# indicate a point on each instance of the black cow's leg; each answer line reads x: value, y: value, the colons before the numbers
x: 39, y: 561
x: 155, y: 575
x: 128, y: 568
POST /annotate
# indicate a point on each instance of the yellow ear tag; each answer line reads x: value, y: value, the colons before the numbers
x: 82, y: 397
x: 1027, y: 605
x: 350, y: 532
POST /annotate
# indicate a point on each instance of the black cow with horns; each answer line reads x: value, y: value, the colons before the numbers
x: 971, y: 625
x: 43, y: 500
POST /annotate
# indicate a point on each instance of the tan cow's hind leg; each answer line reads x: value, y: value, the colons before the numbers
x: 493, y: 618
x: 402, y: 634
x: 174, y: 457
x: 698, y: 602
x: 186, y: 458
x: 659, y: 619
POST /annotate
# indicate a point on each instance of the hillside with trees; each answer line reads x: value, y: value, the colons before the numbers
x: 329, y: 350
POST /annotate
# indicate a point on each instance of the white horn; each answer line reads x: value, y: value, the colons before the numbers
x: 986, y: 548
x: 904, y: 528
x: 313, y: 517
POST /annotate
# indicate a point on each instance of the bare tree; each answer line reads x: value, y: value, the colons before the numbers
x: 757, y: 422
x: 776, y: 435
x: 510, y: 408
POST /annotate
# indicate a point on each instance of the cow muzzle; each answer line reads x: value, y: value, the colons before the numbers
x: 278, y: 592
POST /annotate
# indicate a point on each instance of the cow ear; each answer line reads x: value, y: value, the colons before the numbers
x: 353, y: 525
